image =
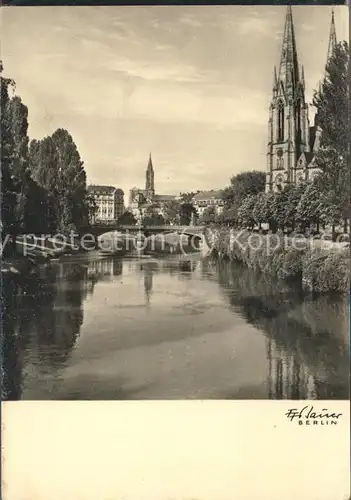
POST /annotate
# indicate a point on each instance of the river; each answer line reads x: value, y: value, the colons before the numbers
x: 88, y: 327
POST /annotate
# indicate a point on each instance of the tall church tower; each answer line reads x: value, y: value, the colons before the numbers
x: 331, y: 47
x: 150, y: 181
x: 288, y: 126
x: 332, y: 38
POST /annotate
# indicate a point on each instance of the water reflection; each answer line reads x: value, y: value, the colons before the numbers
x: 182, y: 268
x: 307, y: 345
x: 203, y: 307
x: 42, y: 315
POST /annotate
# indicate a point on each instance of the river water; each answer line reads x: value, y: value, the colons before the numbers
x: 89, y: 327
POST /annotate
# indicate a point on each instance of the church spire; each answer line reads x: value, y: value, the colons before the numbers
x: 289, y: 68
x: 149, y: 165
x: 150, y: 179
x: 332, y: 38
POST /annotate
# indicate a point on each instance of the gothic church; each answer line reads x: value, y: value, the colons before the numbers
x: 143, y: 200
x: 292, y: 142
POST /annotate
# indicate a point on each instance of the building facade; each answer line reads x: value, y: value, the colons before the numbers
x: 206, y: 199
x: 109, y: 202
x: 142, y: 201
x: 292, y: 142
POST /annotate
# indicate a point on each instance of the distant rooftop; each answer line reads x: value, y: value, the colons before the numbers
x: 208, y: 195
x: 97, y: 189
x: 164, y: 197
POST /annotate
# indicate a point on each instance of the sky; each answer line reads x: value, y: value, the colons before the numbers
x: 190, y: 84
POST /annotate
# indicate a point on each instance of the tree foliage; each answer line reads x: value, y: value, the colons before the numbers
x: 309, y: 209
x: 43, y: 184
x: 243, y: 185
x: 171, y: 211
x: 127, y: 219
x: 56, y: 166
x: 263, y: 209
x: 185, y: 213
x: 333, y: 156
x: 245, y: 212
x: 208, y: 215
x: 187, y: 197
x: 153, y: 220
x: 8, y: 188
x: 285, y: 204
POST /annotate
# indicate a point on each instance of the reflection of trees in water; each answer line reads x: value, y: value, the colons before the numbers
x: 307, y: 356
x: 42, y: 317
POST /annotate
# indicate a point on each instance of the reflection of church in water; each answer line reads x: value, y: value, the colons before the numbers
x: 292, y: 142
x: 287, y: 378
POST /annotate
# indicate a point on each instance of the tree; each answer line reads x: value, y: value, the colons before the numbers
x: 333, y: 156
x: 34, y: 209
x: 263, y: 209
x: 171, y: 211
x: 285, y: 205
x: 209, y: 215
x: 310, y: 208
x: 18, y: 118
x: 188, y: 197
x: 14, y: 159
x: 243, y: 185
x: 245, y: 212
x: 56, y: 165
x: 228, y: 216
x: 185, y: 213
x: 153, y: 220
x: 8, y: 189
x: 127, y: 219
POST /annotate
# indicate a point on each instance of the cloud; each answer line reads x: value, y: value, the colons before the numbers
x: 190, y: 21
x: 151, y: 70
x: 256, y: 26
x: 191, y: 84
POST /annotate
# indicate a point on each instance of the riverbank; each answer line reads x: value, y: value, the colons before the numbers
x: 310, y: 263
x: 29, y: 254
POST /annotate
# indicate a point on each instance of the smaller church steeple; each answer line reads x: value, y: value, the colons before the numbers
x: 150, y: 162
x: 332, y: 38
x: 150, y: 179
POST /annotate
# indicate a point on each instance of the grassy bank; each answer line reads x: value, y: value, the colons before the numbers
x: 305, y: 261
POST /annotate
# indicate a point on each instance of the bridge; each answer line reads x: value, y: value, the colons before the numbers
x: 51, y: 246
x: 191, y: 231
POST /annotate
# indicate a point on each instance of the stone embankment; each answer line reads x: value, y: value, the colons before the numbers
x: 319, y: 266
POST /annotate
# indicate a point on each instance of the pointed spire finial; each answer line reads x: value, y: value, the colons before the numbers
x: 289, y: 68
x: 332, y: 38
x: 149, y: 165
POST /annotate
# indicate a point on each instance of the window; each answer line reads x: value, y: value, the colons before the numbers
x: 280, y: 159
x: 280, y: 122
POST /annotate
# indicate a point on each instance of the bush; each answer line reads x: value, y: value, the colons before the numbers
x: 335, y: 273
x: 291, y: 265
x: 312, y: 267
x: 319, y: 269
